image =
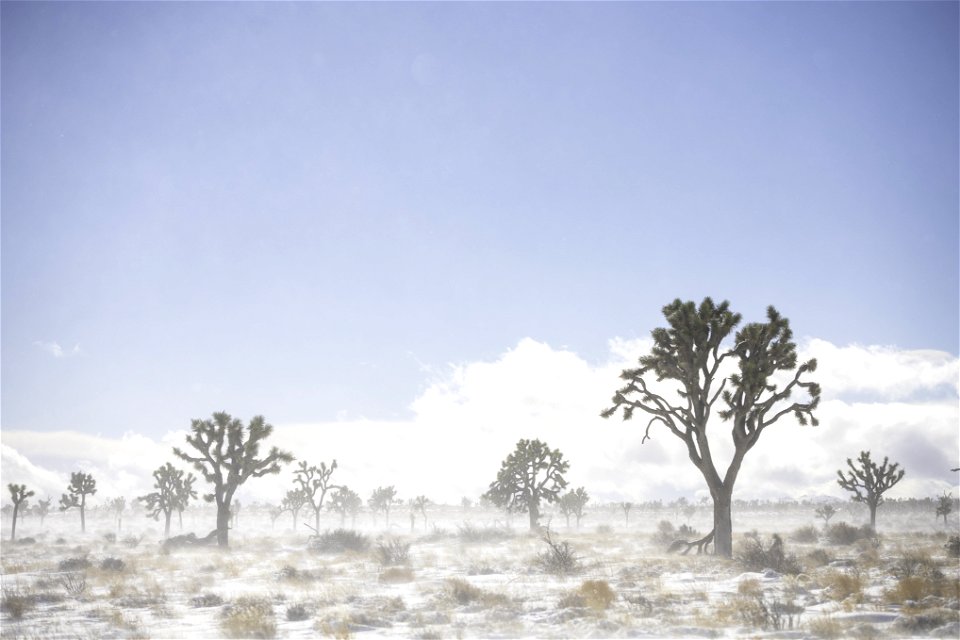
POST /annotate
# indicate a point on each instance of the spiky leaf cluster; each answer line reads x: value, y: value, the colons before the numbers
x: 573, y: 502
x: 81, y: 485
x: 229, y: 453
x: 867, y: 480
x: 383, y: 498
x: 531, y: 474
x: 293, y: 501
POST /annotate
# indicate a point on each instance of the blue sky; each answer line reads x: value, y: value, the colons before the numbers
x: 307, y: 210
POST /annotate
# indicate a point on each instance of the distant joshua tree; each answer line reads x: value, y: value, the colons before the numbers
x: 81, y: 485
x: 382, y: 500
x: 293, y: 502
x: 19, y: 496
x: 42, y: 509
x: 868, y: 482
x: 532, y: 474
x: 466, y: 503
x: 228, y: 457
x: 572, y: 504
x: 419, y: 505
x: 314, y: 484
x: 825, y: 512
x: 346, y: 501
x: 173, y: 493
x: 116, y: 507
x: 626, y: 506
x: 945, y: 506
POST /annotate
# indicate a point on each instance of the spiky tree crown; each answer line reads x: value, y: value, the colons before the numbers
x: 81, y: 485
x: 294, y: 500
x: 690, y: 351
x: 345, y: 500
x: 383, y: 498
x: 868, y: 481
x: 533, y: 472
x: 229, y: 453
x: 173, y: 491
x: 19, y: 493
x: 314, y: 480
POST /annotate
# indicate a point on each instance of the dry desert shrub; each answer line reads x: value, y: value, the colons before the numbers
x: 393, y: 552
x: 826, y: 627
x: 249, y: 617
x: 754, y: 556
x: 462, y: 592
x: 339, y: 541
x: 597, y: 594
x: 805, y: 535
x: 469, y: 533
x: 559, y: 558
x: 844, y: 534
x: 843, y: 585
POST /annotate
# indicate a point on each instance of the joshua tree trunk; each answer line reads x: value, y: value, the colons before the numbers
x: 83, y: 513
x: 316, y: 519
x: 873, y: 515
x: 722, y: 523
x: 13, y: 532
x: 180, y: 517
x: 223, y: 524
x: 534, y: 516
x: 166, y: 524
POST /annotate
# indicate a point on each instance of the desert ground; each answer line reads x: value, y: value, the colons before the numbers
x: 473, y: 573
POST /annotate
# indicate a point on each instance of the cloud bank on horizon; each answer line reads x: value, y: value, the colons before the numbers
x: 894, y: 402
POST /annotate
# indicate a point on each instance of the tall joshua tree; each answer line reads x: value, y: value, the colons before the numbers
x: 572, y: 504
x: 173, y: 492
x: 228, y: 457
x: 19, y: 495
x: 825, y: 512
x: 532, y: 474
x: 42, y: 509
x: 314, y: 484
x: 419, y: 505
x: 81, y: 485
x: 686, y: 359
x: 626, y: 506
x: 868, y: 482
x: 116, y: 507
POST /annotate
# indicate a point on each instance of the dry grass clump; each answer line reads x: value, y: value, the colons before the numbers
x: 919, y: 577
x: 462, y: 592
x: 917, y: 623
x: 844, y: 585
x: 396, y: 575
x: 16, y: 603
x: 74, y: 564
x: 597, y: 594
x: 953, y: 547
x: 297, y: 612
x: 206, y: 600
x: 826, y: 627
x: 752, y: 608
x: 470, y: 533
x: 249, y: 617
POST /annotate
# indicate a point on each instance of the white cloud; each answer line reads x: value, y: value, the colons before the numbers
x: 55, y: 350
x: 470, y: 417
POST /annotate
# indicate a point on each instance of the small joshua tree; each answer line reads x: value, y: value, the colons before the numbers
x: 346, y: 501
x: 81, y: 485
x: 532, y: 474
x: 19, y: 495
x: 116, y: 506
x: 42, y: 509
x: 419, y: 505
x: 228, y: 457
x: 314, y: 484
x: 466, y: 503
x: 572, y: 504
x: 825, y: 512
x: 173, y: 493
x: 626, y: 506
x: 944, y: 506
x: 382, y: 500
x: 293, y: 502
x: 868, y: 482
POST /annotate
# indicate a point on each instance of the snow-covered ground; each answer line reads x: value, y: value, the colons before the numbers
x: 269, y: 583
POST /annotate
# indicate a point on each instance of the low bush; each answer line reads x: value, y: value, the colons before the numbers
x: 559, y: 558
x: 297, y: 612
x: 470, y: 533
x: 843, y: 585
x: 339, y: 541
x: 112, y: 564
x: 16, y: 604
x: 842, y: 533
x: 206, y: 600
x: 953, y: 547
x: 249, y: 618
x: 754, y: 556
x: 818, y: 558
x: 805, y: 535
x: 74, y: 564
x: 393, y: 552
